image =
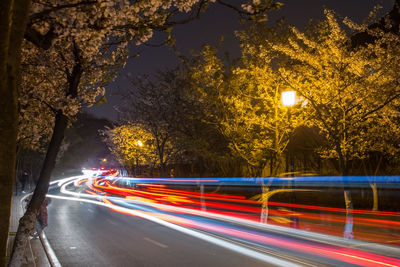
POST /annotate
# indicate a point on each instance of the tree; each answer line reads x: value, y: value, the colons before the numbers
x: 245, y: 102
x: 13, y: 19
x: 352, y: 92
x: 349, y: 93
x: 132, y: 144
x: 167, y: 106
x: 77, y: 79
x: 157, y: 106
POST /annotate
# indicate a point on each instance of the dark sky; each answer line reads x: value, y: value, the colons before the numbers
x: 219, y: 21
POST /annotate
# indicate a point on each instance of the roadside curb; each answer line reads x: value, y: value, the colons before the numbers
x: 51, y: 256
x: 37, y: 253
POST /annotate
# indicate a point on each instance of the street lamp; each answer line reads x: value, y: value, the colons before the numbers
x: 289, y: 99
x: 139, y: 144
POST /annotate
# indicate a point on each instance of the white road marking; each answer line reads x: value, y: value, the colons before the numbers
x: 155, y: 242
x: 111, y: 221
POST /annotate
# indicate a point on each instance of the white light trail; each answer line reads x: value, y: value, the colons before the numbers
x: 311, y: 236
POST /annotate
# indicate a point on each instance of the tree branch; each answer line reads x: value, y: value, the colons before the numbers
x: 41, y: 15
x: 38, y: 39
x: 388, y: 101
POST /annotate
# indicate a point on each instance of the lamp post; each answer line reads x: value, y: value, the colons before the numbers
x: 139, y: 144
x: 288, y: 100
x: 103, y: 163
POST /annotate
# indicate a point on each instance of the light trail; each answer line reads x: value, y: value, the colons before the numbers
x: 174, y: 206
x: 220, y: 216
x: 171, y: 196
x: 306, y: 181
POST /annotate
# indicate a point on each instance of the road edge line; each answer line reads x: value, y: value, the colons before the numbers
x: 51, y: 255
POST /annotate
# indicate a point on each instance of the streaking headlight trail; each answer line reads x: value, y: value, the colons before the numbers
x: 283, y: 233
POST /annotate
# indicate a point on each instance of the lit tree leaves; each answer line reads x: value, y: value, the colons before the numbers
x: 131, y: 144
x: 351, y: 90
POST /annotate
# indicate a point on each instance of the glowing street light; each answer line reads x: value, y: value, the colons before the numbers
x: 288, y: 98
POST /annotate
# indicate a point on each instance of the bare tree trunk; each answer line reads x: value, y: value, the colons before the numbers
x: 373, y: 186
x: 375, y: 196
x: 163, y: 169
x: 348, y: 228
x: 264, y: 206
x: 13, y: 19
x: 342, y: 160
x: 17, y: 169
x: 203, y: 203
x: 26, y: 223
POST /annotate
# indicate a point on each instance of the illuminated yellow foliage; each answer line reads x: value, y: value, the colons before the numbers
x: 245, y: 103
x: 349, y: 91
x: 125, y: 143
x: 352, y: 89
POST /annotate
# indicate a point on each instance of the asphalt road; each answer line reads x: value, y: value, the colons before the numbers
x: 82, y: 234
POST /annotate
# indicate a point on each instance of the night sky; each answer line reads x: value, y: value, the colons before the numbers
x: 218, y: 21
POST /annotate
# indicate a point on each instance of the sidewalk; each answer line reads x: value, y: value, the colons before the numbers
x: 35, y: 254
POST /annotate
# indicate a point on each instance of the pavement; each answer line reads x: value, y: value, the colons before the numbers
x: 37, y: 253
